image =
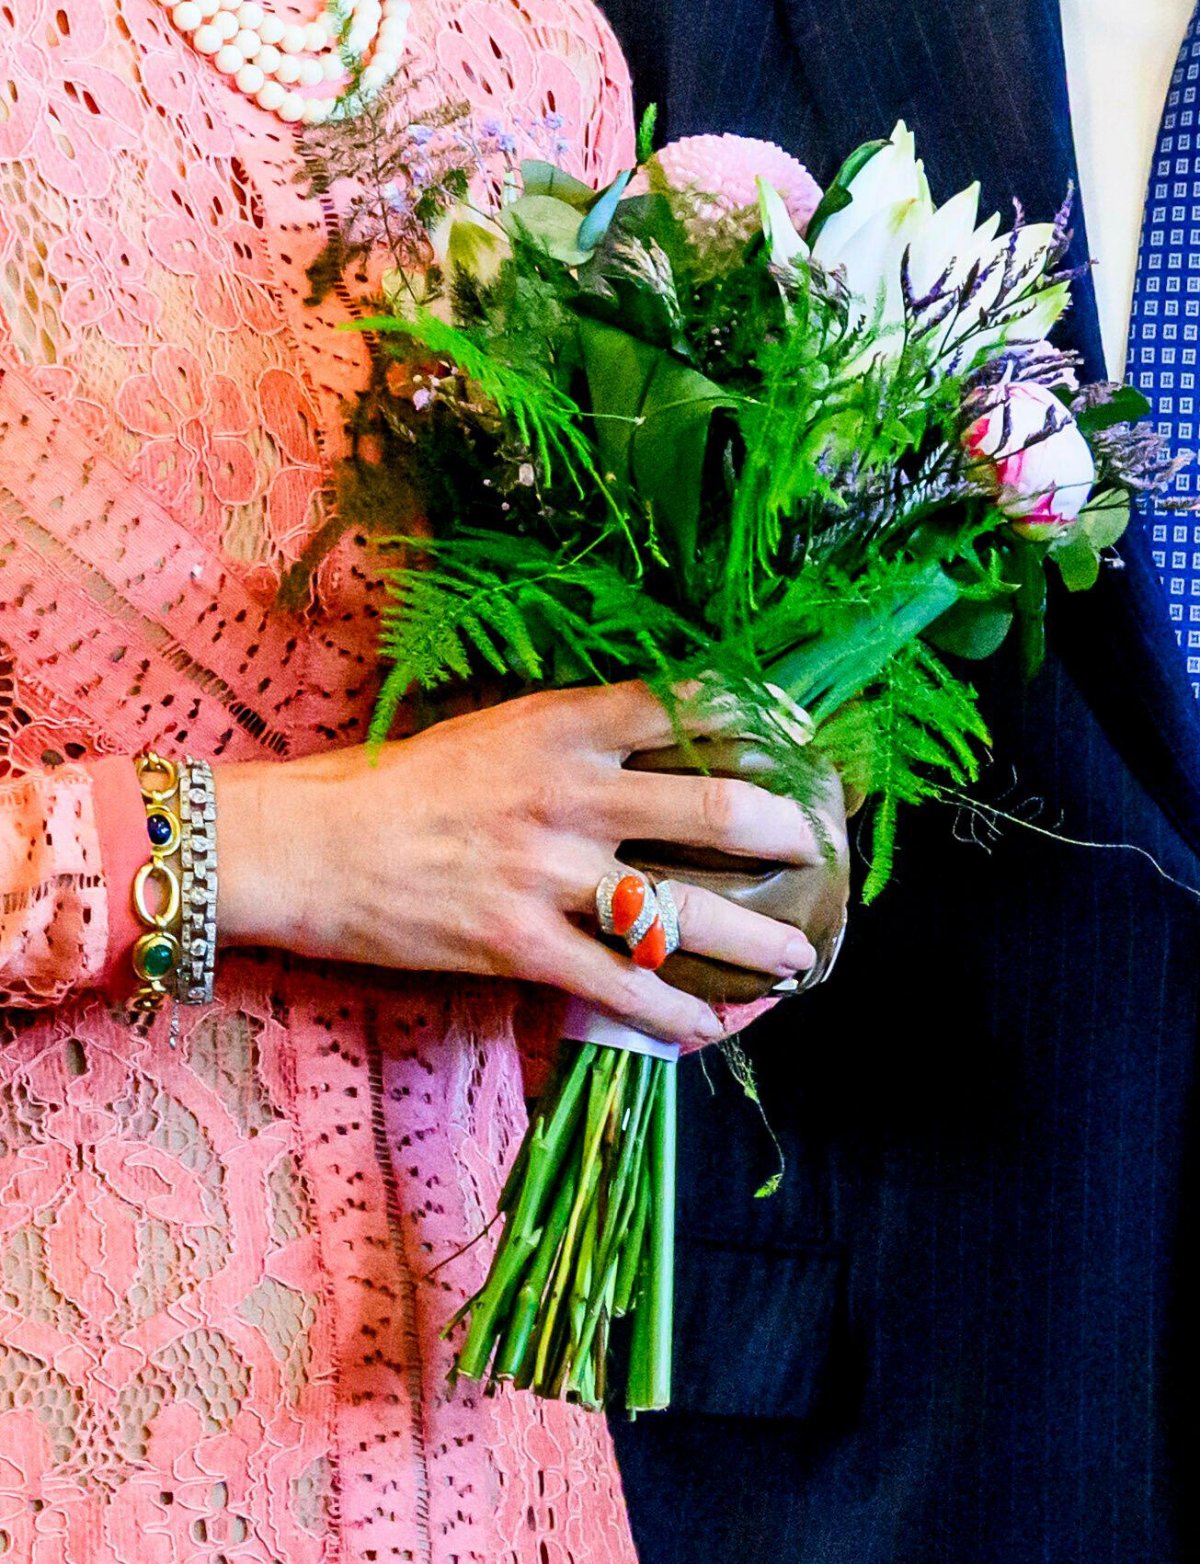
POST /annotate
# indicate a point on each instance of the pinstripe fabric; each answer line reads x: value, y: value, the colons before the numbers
x: 962, y: 1332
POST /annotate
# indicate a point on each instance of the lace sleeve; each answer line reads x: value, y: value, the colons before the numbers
x: 66, y: 837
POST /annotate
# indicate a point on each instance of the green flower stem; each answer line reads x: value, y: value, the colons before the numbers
x: 650, y: 1355
x: 513, y: 1348
x: 608, y: 1077
x: 542, y: 1153
x: 549, y: 1139
x: 491, y: 1304
x: 630, y: 1265
x: 622, y: 1209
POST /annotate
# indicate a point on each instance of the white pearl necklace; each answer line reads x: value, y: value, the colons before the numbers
x: 278, y: 63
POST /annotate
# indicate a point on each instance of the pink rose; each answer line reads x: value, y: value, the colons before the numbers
x: 1041, y: 479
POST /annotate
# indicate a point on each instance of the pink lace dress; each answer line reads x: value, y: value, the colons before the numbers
x: 219, y: 1337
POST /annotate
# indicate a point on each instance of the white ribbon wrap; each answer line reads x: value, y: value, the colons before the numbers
x: 582, y: 1024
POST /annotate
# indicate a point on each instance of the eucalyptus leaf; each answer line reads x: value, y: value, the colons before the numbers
x: 1126, y: 406
x: 1104, y: 519
x: 972, y: 629
x: 552, y: 223
x: 546, y: 179
x: 1079, y: 563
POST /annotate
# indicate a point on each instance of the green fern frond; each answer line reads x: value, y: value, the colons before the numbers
x: 545, y: 420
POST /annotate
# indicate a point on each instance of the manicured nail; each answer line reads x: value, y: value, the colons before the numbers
x: 710, y: 1026
x: 799, y: 955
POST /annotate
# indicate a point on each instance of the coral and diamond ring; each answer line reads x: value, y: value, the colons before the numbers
x: 644, y: 916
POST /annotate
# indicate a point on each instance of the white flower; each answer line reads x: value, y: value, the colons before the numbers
x: 1041, y: 481
x: 469, y: 239
x: 891, y: 213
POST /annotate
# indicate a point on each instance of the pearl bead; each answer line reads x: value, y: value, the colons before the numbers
x: 229, y: 60
x: 288, y: 70
x: 316, y: 111
x: 229, y: 5
x: 373, y: 78
x: 399, y: 8
x: 312, y: 73
x: 292, y: 108
x: 250, y: 78
x: 270, y: 95
x: 250, y: 14
x: 187, y: 16
x: 226, y: 26
x: 207, y: 38
x: 332, y: 68
x: 359, y: 38
x: 315, y: 38
x: 392, y: 36
x: 270, y: 29
x: 208, y: 8
x: 292, y: 41
x: 267, y: 59
x: 248, y: 42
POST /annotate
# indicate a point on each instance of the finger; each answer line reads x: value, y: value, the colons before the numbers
x: 588, y: 969
x: 721, y: 812
x: 627, y: 717
x: 711, y: 925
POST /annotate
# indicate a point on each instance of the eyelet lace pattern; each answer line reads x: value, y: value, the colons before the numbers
x: 219, y: 1338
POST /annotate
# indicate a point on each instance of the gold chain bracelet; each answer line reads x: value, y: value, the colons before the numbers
x: 157, y: 953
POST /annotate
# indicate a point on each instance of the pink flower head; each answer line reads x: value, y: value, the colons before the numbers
x: 1041, y: 480
x: 719, y: 173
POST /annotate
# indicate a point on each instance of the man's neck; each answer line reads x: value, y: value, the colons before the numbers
x: 1120, y: 54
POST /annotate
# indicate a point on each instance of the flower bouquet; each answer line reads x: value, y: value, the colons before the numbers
x: 800, y: 452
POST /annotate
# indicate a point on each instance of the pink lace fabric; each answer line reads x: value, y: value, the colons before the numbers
x: 219, y: 1334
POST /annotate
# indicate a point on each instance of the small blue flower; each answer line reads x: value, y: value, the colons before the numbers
x: 506, y: 143
x: 421, y: 134
x: 553, y: 122
x: 490, y: 127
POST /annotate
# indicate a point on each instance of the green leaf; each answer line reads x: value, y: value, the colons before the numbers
x: 545, y: 179
x: 549, y: 222
x: 972, y: 629
x: 1104, y: 519
x: 838, y: 196
x: 652, y: 420
x: 595, y: 225
x: 645, y: 135
x: 1079, y: 563
x: 1126, y: 406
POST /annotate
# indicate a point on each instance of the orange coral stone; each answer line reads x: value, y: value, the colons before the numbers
x: 651, y: 952
x: 627, y: 902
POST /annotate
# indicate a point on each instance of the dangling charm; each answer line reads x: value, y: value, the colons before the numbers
x: 279, y: 64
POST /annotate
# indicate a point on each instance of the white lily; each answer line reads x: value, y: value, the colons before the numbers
x: 783, y: 240
x: 891, y: 213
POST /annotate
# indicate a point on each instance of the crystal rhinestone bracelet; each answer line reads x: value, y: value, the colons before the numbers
x: 198, y: 856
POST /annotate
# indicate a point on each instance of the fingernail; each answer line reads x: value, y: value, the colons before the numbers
x: 799, y: 955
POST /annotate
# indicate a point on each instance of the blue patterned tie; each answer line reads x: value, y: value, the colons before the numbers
x: 1165, y: 334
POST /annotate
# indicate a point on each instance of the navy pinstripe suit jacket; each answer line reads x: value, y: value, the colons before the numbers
x: 963, y: 1331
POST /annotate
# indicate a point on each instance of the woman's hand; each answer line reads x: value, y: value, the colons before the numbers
x: 476, y: 846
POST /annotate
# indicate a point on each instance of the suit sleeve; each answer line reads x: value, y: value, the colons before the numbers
x: 71, y: 841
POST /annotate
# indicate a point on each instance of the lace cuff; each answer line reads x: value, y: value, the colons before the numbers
x: 53, y: 906
x: 121, y: 824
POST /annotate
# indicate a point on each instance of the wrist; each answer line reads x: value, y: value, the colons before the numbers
x: 265, y: 870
